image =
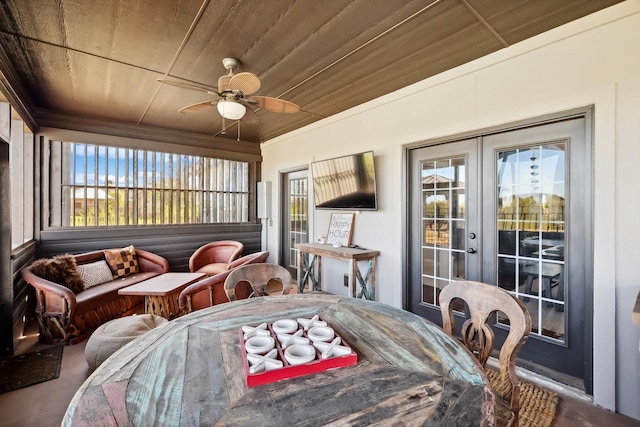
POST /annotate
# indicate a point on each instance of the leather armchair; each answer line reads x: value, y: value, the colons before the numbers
x: 210, y: 291
x: 215, y: 257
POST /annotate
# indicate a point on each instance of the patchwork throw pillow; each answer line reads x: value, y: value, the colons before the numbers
x: 60, y: 269
x: 122, y: 262
x: 95, y: 273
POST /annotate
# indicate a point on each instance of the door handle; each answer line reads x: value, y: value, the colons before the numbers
x: 471, y: 250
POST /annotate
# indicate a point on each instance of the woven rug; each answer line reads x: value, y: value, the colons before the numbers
x: 30, y: 368
x: 537, y: 405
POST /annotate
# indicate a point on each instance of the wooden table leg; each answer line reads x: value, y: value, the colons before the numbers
x: 353, y: 274
x: 301, y: 272
x: 317, y: 283
x: 165, y: 306
x: 367, y: 282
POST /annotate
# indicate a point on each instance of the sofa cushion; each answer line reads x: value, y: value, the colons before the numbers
x: 122, y: 262
x: 95, y: 273
x: 60, y: 269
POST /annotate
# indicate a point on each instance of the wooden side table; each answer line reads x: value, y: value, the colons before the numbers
x: 310, y: 267
x: 161, y: 292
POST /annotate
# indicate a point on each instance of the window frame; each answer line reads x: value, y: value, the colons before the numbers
x: 52, y: 171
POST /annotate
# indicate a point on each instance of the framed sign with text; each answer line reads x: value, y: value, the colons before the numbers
x: 340, y: 229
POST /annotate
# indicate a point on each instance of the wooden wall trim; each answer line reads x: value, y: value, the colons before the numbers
x: 6, y: 291
x: 15, y: 92
x: 82, y: 129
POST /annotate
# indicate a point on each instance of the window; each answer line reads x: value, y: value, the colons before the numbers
x: 22, y: 185
x: 113, y: 186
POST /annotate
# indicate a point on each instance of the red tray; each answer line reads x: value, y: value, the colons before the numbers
x: 294, y: 371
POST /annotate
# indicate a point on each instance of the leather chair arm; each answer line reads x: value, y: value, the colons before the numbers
x: 150, y: 262
x: 249, y: 259
x: 50, y: 289
x: 194, y: 288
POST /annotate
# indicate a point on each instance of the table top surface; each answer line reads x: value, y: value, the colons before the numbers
x: 339, y: 252
x: 189, y: 372
x: 548, y: 269
x: 161, y: 285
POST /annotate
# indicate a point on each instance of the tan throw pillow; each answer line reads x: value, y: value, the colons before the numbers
x: 95, y: 273
x: 122, y: 262
x: 60, y: 269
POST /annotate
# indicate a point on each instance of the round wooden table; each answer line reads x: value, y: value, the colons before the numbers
x: 189, y: 372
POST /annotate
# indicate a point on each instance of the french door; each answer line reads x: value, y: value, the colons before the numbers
x: 295, y: 225
x: 511, y: 209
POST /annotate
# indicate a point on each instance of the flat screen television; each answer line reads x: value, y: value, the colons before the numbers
x: 347, y: 182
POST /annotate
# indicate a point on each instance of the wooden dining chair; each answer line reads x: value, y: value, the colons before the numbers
x: 483, y: 300
x: 264, y: 279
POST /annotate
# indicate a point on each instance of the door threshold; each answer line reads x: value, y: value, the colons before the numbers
x: 546, y: 382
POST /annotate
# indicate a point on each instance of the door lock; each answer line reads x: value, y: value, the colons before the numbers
x: 471, y: 250
x: 472, y: 236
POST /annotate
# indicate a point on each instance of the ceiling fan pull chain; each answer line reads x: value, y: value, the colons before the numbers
x: 238, y: 130
x: 224, y: 128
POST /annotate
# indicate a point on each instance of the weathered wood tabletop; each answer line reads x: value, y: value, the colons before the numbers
x: 189, y: 372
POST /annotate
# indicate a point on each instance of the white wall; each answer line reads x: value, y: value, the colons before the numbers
x: 592, y: 61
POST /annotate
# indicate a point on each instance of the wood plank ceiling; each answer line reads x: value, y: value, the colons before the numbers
x: 94, y: 61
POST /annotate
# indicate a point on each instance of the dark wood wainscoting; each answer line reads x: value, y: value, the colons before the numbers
x: 175, y: 243
x: 24, y: 296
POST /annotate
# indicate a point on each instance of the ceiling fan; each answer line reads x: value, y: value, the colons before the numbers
x: 234, y: 92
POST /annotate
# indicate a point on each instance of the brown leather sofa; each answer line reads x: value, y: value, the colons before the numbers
x: 72, y: 317
x: 210, y: 291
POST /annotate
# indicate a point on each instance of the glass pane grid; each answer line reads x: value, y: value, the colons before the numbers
x: 443, y: 225
x: 298, y: 217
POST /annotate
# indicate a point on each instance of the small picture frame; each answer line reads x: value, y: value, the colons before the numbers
x: 340, y: 229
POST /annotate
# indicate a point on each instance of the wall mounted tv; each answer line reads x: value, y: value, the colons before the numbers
x: 347, y: 182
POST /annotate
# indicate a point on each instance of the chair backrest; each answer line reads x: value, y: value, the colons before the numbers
x: 222, y: 251
x: 262, y: 278
x: 210, y: 291
x: 484, y: 300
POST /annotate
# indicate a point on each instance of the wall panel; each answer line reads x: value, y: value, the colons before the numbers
x: 176, y: 244
x: 24, y: 296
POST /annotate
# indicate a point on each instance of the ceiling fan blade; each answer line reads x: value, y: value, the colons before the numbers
x: 247, y: 83
x: 276, y: 105
x: 250, y: 117
x: 191, y: 86
x: 198, y: 106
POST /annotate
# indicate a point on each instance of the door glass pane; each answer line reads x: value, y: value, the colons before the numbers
x: 444, y: 225
x: 298, y: 231
x: 530, y: 219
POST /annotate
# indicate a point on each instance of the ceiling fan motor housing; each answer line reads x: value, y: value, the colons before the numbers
x: 223, y: 83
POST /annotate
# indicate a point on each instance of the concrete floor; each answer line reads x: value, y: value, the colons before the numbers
x: 44, y: 404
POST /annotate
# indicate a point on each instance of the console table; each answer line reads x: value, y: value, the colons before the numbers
x: 310, y: 267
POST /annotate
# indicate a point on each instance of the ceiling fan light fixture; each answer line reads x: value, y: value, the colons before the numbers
x: 231, y: 110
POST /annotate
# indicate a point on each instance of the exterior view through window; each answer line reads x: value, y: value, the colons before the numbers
x: 112, y: 186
